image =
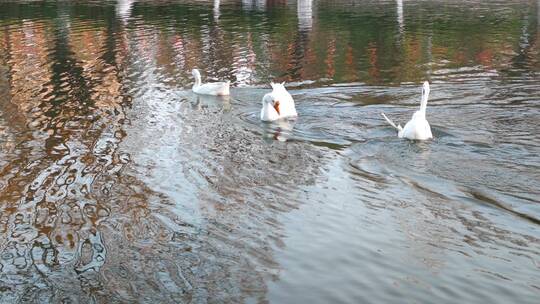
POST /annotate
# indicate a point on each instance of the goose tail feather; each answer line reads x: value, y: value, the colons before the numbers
x: 398, y: 127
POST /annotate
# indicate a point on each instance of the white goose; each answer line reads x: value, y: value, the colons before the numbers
x: 418, y: 127
x: 211, y: 88
x: 277, y: 104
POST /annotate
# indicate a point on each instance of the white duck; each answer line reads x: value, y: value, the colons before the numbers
x: 277, y: 104
x: 418, y: 127
x: 211, y: 88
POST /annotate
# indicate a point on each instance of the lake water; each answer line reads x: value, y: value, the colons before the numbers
x: 119, y: 185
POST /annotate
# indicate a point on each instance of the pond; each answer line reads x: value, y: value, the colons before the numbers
x: 120, y: 185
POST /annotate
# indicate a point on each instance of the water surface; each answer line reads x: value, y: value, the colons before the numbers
x: 119, y: 185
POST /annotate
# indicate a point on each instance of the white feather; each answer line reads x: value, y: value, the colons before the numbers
x: 418, y: 127
x: 278, y: 104
x: 211, y: 88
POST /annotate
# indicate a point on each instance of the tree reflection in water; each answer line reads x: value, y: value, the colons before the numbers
x: 116, y: 186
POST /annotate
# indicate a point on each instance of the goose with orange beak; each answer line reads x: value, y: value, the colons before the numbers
x: 278, y: 104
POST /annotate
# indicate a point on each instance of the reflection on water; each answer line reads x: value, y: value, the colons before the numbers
x: 118, y: 184
x: 281, y: 130
x: 304, y: 11
x: 399, y: 4
x: 123, y: 9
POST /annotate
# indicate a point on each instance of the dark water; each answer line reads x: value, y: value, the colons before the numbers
x: 118, y: 185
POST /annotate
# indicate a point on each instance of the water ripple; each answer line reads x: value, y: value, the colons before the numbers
x: 118, y: 184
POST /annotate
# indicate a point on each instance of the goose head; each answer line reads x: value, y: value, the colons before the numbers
x: 197, y: 77
x: 270, y: 101
x: 196, y: 74
x: 425, y: 90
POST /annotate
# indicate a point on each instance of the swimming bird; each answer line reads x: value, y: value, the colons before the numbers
x: 211, y: 88
x: 277, y: 104
x: 418, y: 127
